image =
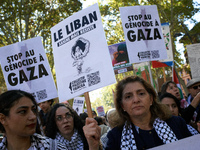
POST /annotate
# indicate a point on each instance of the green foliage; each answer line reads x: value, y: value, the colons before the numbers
x: 25, y: 19
x: 106, y: 99
x: 2, y: 81
x: 112, y: 21
x: 173, y: 11
x: 107, y: 93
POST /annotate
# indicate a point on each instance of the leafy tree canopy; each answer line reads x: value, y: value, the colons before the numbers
x: 25, y: 19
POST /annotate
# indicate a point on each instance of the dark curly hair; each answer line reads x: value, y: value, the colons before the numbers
x: 157, y: 109
x: 9, y: 98
x: 52, y: 129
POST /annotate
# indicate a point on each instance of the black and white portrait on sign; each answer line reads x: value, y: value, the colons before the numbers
x: 79, y: 51
x: 81, y: 56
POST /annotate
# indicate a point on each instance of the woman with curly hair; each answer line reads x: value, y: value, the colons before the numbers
x: 65, y: 126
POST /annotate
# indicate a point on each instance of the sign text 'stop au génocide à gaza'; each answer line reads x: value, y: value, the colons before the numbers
x: 142, y: 29
x: 25, y: 67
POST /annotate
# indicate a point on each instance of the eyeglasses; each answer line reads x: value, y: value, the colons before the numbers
x: 196, y: 87
x: 66, y: 116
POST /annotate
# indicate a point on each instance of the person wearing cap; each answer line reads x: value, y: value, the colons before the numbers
x: 193, y: 87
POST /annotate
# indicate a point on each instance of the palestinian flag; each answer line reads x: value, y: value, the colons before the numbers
x: 158, y: 64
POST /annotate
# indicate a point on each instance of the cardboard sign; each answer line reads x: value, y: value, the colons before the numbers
x: 168, y: 42
x: 78, y: 104
x: 100, y: 111
x: 193, y: 52
x: 190, y: 143
x: 142, y: 70
x: 142, y: 29
x: 81, y: 56
x: 25, y: 67
x: 119, y: 57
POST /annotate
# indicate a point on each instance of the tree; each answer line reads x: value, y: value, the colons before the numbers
x: 191, y: 37
x: 25, y: 19
x: 175, y: 12
x: 112, y: 21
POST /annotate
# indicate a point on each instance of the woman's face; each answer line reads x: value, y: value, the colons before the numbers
x: 45, y: 106
x: 22, y: 118
x: 171, y: 104
x: 173, y: 89
x: 136, y: 101
x: 65, y: 122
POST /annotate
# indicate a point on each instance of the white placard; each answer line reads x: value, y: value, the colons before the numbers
x: 100, y: 111
x: 193, y: 52
x: 168, y: 42
x: 81, y: 56
x: 25, y: 67
x: 142, y: 30
x: 78, y: 104
x: 190, y: 143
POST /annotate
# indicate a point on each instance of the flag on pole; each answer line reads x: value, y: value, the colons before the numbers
x: 175, y: 79
x: 157, y: 64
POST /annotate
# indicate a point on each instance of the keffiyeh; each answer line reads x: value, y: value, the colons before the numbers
x: 192, y: 130
x: 162, y: 129
x: 75, y: 143
x: 38, y: 142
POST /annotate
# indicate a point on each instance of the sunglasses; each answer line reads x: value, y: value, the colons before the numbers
x: 196, y: 87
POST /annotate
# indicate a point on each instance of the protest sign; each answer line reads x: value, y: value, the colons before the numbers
x: 193, y: 52
x: 119, y: 57
x: 81, y: 56
x: 189, y: 143
x: 141, y: 70
x: 142, y: 30
x: 78, y: 104
x: 25, y: 67
x: 100, y: 111
x: 168, y: 44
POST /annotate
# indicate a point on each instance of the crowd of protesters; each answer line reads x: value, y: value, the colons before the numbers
x: 141, y: 119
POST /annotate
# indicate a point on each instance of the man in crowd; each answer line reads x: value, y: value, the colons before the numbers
x: 193, y: 87
x: 45, y: 108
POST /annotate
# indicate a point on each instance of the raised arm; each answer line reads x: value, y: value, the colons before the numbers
x: 92, y: 133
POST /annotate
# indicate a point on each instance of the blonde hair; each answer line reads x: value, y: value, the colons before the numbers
x: 112, y: 117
